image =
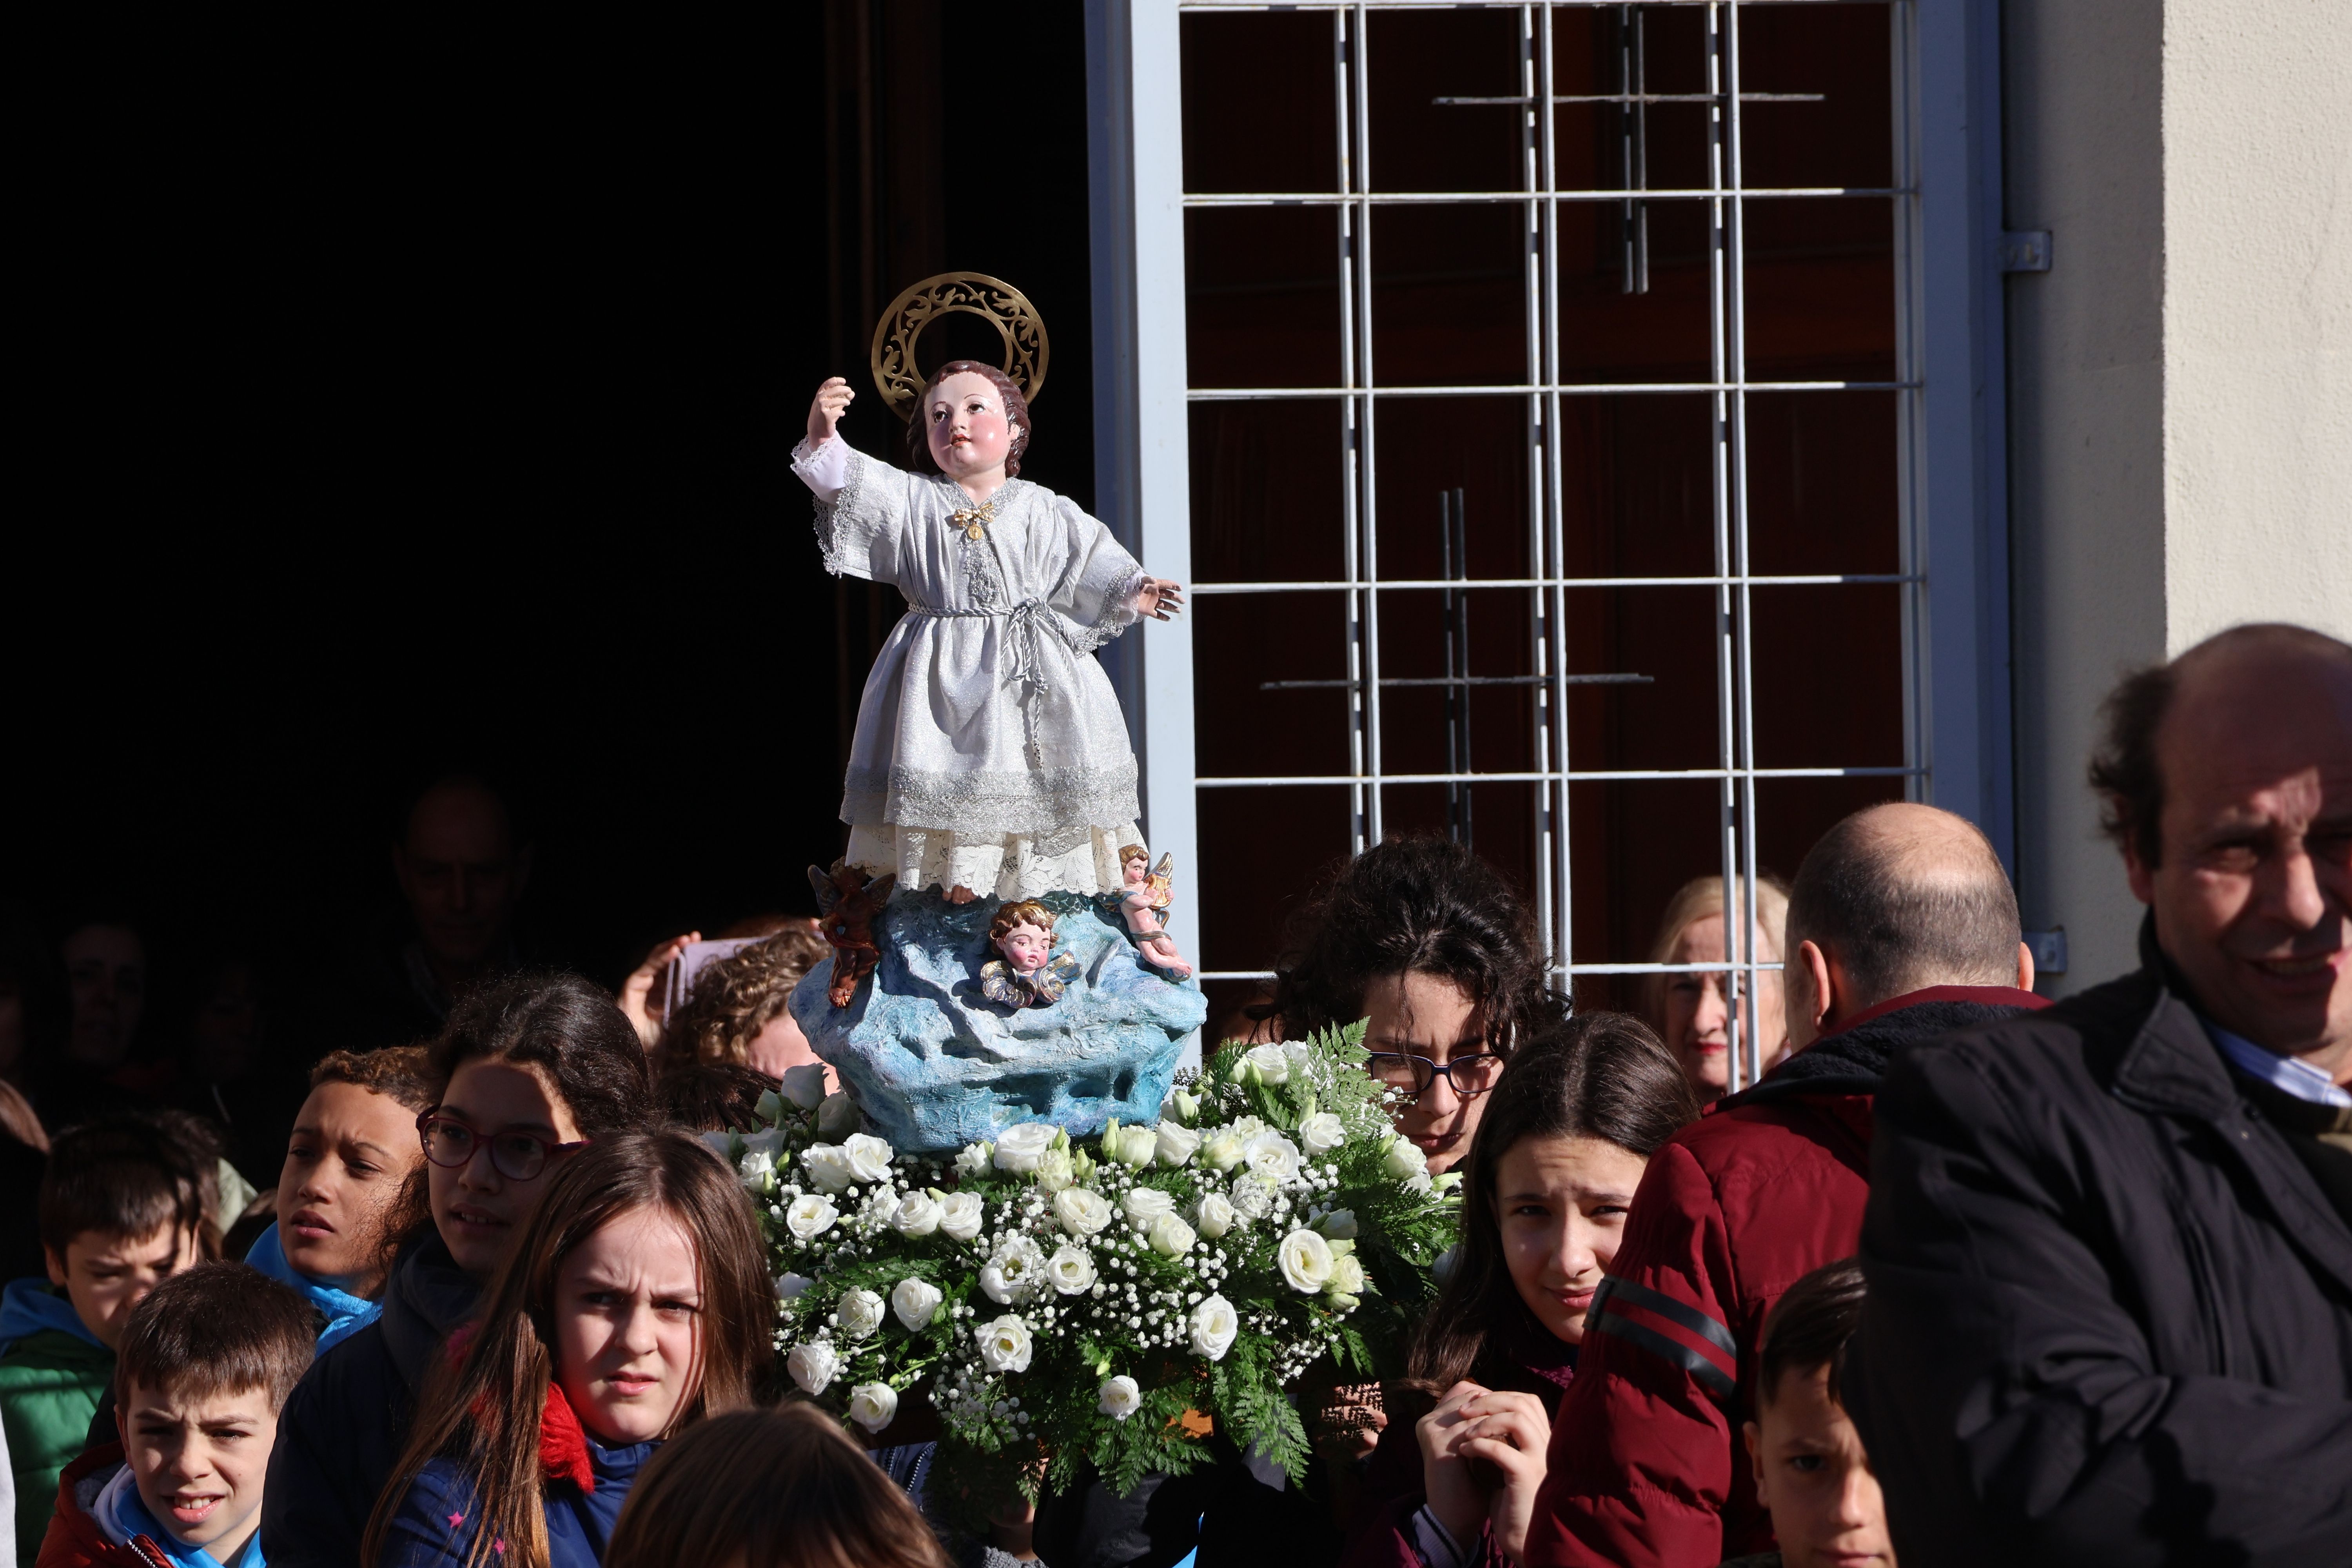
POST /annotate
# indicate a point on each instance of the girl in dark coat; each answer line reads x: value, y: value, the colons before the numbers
x: 532, y: 1070
x: 635, y: 1302
x: 1558, y: 1156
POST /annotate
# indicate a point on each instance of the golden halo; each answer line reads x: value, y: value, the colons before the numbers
x: 975, y: 294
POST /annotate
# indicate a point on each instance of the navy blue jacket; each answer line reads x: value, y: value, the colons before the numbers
x: 436, y: 1524
x: 341, y: 1434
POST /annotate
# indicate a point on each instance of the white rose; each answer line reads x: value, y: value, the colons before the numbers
x: 813, y: 1366
x: 722, y: 1144
x: 1019, y: 1149
x: 1005, y: 1344
x: 869, y: 1157
x: 973, y: 1158
x: 1306, y: 1260
x: 1273, y: 1065
x: 768, y: 1106
x: 810, y: 1216
x: 1404, y: 1162
x: 1246, y: 1128
x: 1273, y: 1156
x: 1012, y: 1274
x: 757, y: 1168
x: 1176, y: 1144
x: 1347, y: 1277
x: 1120, y: 1397
x: 1082, y: 1213
x: 768, y: 1142
x: 828, y: 1167
x: 860, y: 1312
x: 959, y: 1216
x: 789, y: 1286
x: 1421, y: 1183
x: 1071, y: 1269
x: 914, y: 1302
x: 1339, y: 1224
x: 837, y: 1116
x: 1253, y: 1196
x: 1222, y: 1150
x: 1171, y: 1236
x: 1143, y: 1204
x: 1214, y: 1326
x: 918, y: 1213
x: 1321, y: 1133
x: 1214, y: 1216
x: 1054, y: 1171
x: 804, y: 1085
x: 872, y: 1405
x: 1299, y: 1054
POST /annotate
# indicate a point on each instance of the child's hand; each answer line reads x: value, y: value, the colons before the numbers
x: 1161, y: 598
x: 1454, y: 1491
x: 1511, y: 1432
x: 832, y: 401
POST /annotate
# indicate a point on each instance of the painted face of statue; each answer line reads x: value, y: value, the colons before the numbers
x: 1024, y: 947
x: 970, y: 434
x: 1137, y: 870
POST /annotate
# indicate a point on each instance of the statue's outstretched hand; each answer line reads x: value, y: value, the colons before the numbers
x: 1161, y: 599
x: 825, y: 410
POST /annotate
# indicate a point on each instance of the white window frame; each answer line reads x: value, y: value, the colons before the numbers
x: 1951, y: 467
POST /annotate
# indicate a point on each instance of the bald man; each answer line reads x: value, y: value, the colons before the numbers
x: 2109, y: 1247
x: 1902, y: 927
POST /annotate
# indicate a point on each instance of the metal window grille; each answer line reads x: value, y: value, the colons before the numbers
x: 1550, y: 591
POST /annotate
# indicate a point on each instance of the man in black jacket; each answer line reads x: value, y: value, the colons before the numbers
x: 2109, y: 1245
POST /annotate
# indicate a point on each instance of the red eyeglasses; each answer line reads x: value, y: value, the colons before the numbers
x: 518, y: 1156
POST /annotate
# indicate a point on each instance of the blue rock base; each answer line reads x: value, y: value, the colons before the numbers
x: 934, y: 1064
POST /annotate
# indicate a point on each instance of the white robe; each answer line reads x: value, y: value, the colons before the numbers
x: 991, y: 751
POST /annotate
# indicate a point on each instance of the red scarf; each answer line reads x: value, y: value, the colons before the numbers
x: 562, y: 1441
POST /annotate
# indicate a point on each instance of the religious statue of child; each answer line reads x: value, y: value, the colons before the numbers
x: 990, y: 758
x: 1030, y: 973
x: 1144, y: 892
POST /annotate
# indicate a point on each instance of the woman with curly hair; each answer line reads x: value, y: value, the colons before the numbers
x: 1432, y: 945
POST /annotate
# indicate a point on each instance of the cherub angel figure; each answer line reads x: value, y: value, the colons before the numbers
x: 991, y: 757
x: 1144, y: 892
x: 1030, y: 973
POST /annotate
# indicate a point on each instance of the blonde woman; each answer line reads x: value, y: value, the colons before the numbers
x: 1693, y: 1011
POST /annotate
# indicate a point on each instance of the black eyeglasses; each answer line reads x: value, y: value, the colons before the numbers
x: 1469, y: 1076
x: 518, y: 1156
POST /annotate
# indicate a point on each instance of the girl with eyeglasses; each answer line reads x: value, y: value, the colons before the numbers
x: 532, y: 1070
x: 1433, y: 947
x: 1559, y: 1151
x: 635, y: 1302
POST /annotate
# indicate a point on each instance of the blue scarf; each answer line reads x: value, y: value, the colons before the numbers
x: 121, y: 1514
x: 346, y: 1314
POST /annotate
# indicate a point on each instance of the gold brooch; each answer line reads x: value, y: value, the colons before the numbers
x: 974, y: 517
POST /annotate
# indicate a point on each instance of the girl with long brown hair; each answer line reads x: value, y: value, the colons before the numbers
x: 1559, y: 1151
x: 769, y: 1489
x: 635, y: 1303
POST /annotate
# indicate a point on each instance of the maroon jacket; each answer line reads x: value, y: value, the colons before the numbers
x: 74, y: 1540
x: 1647, y: 1467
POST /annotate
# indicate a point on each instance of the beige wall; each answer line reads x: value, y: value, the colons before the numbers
x: 2180, y: 400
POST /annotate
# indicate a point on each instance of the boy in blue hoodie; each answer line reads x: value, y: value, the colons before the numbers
x: 121, y: 1209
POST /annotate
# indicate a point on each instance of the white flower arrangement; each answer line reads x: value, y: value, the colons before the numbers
x: 1077, y: 1298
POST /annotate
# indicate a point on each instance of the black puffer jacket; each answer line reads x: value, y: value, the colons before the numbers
x: 344, y: 1425
x: 2110, y: 1310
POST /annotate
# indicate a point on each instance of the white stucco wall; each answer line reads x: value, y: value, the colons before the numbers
x: 2257, y: 315
x: 2180, y: 381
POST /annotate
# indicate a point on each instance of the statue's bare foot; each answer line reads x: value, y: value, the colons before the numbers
x: 960, y: 894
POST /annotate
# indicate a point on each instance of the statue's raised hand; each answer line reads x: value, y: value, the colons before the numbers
x: 825, y: 410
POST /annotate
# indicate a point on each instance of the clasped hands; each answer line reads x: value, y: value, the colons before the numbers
x: 1482, y: 1462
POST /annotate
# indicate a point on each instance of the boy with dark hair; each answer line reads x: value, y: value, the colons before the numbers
x: 122, y: 1207
x: 1812, y: 1474
x: 207, y: 1362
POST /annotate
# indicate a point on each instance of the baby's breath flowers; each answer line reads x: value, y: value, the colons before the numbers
x: 1042, y: 1291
